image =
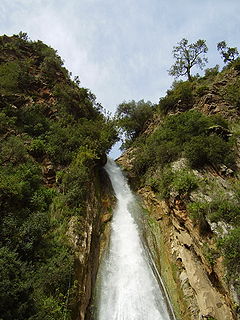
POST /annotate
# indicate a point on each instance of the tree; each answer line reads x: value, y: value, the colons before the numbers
x: 187, y: 56
x: 132, y: 117
x: 227, y: 53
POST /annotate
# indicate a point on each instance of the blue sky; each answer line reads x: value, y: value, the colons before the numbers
x: 121, y: 50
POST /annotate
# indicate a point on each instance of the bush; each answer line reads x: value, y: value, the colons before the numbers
x: 13, y: 151
x: 205, y: 149
x: 6, y: 123
x: 161, y: 181
x: 184, y: 182
x: 225, y: 210
x: 211, y: 72
x: 230, y: 248
x: 132, y: 117
x: 210, y: 254
x: 77, y: 178
x: 37, y: 148
x: 31, y: 236
x: 232, y: 94
x: 202, y: 90
x: 167, y: 103
x: 33, y: 120
x: 186, y: 134
x: 181, y: 95
x: 166, y: 181
x: 236, y: 64
x: 9, y: 73
x: 198, y: 212
x: 15, y: 291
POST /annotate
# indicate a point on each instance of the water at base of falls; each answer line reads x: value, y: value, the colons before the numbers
x: 127, y: 288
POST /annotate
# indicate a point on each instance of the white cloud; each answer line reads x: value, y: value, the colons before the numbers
x: 122, y: 49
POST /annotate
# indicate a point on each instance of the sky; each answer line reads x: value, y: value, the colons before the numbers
x: 121, y: 50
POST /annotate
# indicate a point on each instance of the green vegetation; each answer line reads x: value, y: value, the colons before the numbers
x: 133, y: 117
x: 180, y: 96
x: 211, y: 254
x: 231, y: 94
x: 228, y: 54
x: 186, y: 134
x: 188, y: 56
x: 221, y: 208
x: 165, y: 182
x: 229, y: 245
x: 52, y: 136
x: 183, y: 153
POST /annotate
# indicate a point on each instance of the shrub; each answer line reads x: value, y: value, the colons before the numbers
x: 6, y: 123
x: 232, y: 93
x: 164, y: 185
x: 167, y: 103
x: 205, y: 149
x: 185, y: 134
x: 13, y: 151
x: 132, y: 117
x: 211, y: 72
x: 160, y: 182
x: 166, y: 181
x: 225, y: 210
x: 210, y: 254
x: 142, y: 159
x: 230, y: 248
x: 181, y: 95
x: 202, y: 90
x: 31, y: 236
x: 198, y: 212
x: 77, y: 178
x: 33, y: 120
x: 236, y: 64
x: 184, y: 182
x: 15, y: 290
x: 9, y: 73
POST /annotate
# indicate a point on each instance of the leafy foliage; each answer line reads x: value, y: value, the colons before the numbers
x: 188, y: 56
x: 45, y: 118
x: 132, y: 117
x: 229, y: 246
x: 9, y: 73
x: 232, y: 94
x: 184, y: 182
x: 228, y: 54
x: 179, y: 96
x: 167, y: 181
x: 184, y: 134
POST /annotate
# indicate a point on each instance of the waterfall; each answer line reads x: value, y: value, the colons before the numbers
x: 127, y: 285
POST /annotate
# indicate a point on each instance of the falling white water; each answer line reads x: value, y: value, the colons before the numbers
x: 127, y: 288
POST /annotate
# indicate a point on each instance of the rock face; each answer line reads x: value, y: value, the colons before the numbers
x: 195, y: 276
x: 87, y: 237
x: 194, y: 288
x: 213, y: 102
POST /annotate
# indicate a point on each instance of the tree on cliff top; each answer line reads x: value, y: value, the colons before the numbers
x: 187, y: 56
x: 132, y: 118
x: 227, y: 53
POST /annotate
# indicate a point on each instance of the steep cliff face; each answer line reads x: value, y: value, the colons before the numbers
x: 190, y: 192
x: 53, y: 141
x: 87, y: 238
x: 194, y: 277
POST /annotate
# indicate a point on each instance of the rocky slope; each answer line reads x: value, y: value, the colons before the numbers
x: 54, y: 197
x: 187, y: 247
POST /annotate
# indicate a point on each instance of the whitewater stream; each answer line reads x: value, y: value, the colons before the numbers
x: 128, y: 286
